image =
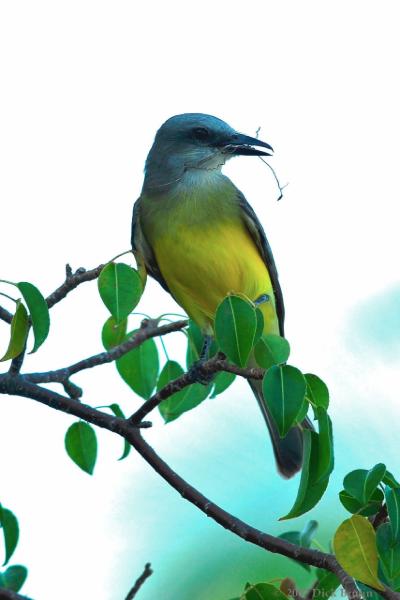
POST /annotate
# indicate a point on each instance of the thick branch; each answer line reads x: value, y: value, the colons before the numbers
x: 17, y: 385
x: 140, y: 581
x: 149, y: 329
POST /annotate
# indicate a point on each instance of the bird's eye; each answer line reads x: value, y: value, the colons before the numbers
x: 201, y: 133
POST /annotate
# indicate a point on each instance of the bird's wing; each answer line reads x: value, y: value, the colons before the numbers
x: 258, y: 234
x: 144, y: 255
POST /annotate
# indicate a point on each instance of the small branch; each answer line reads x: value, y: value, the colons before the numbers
x: 148, y: 329
x: 380, y: 517
x: 72, y: 281
x: 140, y: 581
x: 5, y: 315
x: 214, y: 365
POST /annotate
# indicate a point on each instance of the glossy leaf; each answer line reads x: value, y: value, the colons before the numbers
x: 13, y: 578
x: 9, y: 524
x: 81, y: 445
x: 271, y: 350
x: 310, y: 491
x: 361, y: 483
x: 19, y: 332
x: 262, y: 591
x: 294, y: 537
x: 221, y: 382
x: 307, y: 533
x: 113, y: 333
x: 392, y: 497
x: 115, y: 408
x: 120, y: 288
x: 38, y: 310
x: 236, y: 328
x: 366, y: 510
x: 182, y: 401
x: 301, y: 538
x: 317, y: 391
x: 389, y: 554
x: 139, y: 368
x: 284, y: 388
x: 390, y: 480
x: 355, y: 549
x: 325, y: 445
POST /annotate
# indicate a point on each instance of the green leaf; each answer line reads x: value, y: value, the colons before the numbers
x: 9, y: 524
x: 392, y: 497
x: 326, y: 584
x: 81, y: 445
x: 13, y: 578
x: 354, y: 544
x: 260, y: 324
x: 115, y: 408
x: 325, y: 445
x: 354, y: 506
x: 236, y: 328
x: 284, y: 388
x: 294, y: 537
x: 317, y: 391
x: 38, y: 310
x: 221, y: 382
x: 113, y: 333
x: 389, y: 554
x: 310, y: 491
x: 182, y: 401
x: 120, y: 288
x: 362, y: 483
x: 389, y: 479
x: 139, y: 368
x: 19, y: 332
x: 262, y: 591
x: 271, y: 350
x: 301, y: 538
x: 308, y: 533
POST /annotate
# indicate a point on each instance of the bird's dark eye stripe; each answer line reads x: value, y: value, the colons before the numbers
x: 201, y: 133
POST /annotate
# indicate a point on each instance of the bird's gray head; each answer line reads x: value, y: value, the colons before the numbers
x: 194, y: 141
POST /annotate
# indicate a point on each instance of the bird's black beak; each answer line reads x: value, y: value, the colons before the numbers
x: 240, y: 144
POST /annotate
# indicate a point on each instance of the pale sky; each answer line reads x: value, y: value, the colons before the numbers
x: 84, y: 87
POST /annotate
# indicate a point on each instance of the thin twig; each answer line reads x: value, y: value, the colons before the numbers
x: 148, y: 329
x: 140, y: 581
x: 72, y: 281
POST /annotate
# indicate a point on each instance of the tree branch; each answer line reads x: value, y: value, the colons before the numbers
x: 71, y: 282
x: 140, y: 581
x: 5, y: 315
x: 214, y: 365
x: 18, y: 385
x: 148, y: 329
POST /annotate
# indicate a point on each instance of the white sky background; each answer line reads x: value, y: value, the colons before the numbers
x: 84, y: 86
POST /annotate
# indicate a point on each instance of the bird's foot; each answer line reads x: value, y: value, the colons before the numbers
x: 198, y: 374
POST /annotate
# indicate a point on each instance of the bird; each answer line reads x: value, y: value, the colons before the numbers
x: 195, y: 233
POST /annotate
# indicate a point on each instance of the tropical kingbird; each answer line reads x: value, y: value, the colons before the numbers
x: 197, y: 235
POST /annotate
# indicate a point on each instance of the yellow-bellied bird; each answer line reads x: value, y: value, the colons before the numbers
x: 197, y: 235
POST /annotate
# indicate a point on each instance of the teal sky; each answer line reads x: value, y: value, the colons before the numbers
x: 85, y: 86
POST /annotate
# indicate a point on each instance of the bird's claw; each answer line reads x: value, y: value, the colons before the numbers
x: 198, y: 375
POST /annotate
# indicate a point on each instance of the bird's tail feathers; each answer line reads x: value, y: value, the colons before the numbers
x: 288, y: 451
